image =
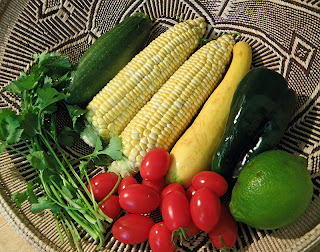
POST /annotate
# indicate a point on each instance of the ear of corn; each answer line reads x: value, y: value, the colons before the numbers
x: 167, y: 115
x: 191, y: 155
x: 117, y: 103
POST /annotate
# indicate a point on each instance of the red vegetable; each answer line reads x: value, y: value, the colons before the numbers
x: 157, y: 185
x: 205, y: 208
x: 172, y: 187
x: 192, y: 229
x: 175, y: 210
x: 102, y: 184
x: 160, y: 238
x: 155, y: 164
x: 226, y: 228
x: 132, y: 228
x: 190, y: 192
x: 210, y: 180
x: 139, y: 199
x: 111, y: 206
x: 126, y: 182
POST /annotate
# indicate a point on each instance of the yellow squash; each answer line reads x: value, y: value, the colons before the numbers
x: 193, y: 152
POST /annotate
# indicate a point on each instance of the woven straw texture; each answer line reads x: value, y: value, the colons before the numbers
x: 284, y: 36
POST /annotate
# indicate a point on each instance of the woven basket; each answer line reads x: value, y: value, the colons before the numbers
x: 284, y: 36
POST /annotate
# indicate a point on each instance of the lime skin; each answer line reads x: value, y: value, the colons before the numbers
x: 272, y: 191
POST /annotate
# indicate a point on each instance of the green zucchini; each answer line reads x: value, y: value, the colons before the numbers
x: 106, y: 57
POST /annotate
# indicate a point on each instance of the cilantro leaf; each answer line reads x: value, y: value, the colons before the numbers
x: 38, y: 160
x: 59, y: 62
x: 19, y: 198
x: 44, y: 163
x: 67, y: 192
x: 10, y: 128
x: 75, y: 113
x: 2, y: 148
x: 102, y: 160
x: 84, y: 166
x: 47, y: 99
x: 28, y: 194
x: 53, y: 64
x: 40, y: 89
x: 114, y: 148
x: 24, y: 83
x: 45, y: 203
x: 47, y: 82
x: 31, y: 195
x: 67, y: 136
x: 63, y: 81
x: 98, y: 146
x: 14, y: 131
x: 29, y: 122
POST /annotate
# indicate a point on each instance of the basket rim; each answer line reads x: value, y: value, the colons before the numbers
x: 17, y: 219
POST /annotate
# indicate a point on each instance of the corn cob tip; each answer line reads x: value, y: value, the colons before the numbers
x: 123, y: 167
x: 89, y: 135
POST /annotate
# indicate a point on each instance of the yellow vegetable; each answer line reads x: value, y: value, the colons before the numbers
x: 117, y: 103
x: 193, y: 152
x: 161, y: 122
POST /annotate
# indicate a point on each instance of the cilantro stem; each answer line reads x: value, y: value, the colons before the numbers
x: 67, y: 162
x: 60, y: 203
x: 13, y: 148
x: 63, y: 221
x: 74, y: 205
x: 48, y: 145
x: 93, y: 210
x: 69, y: 230
x: 58, y: 228
x: 91, y: 231
x: 96, y: 206
x: 27, y: 144
x: 112, y: 191
x: 76, y: 217
x: 46, y: 187
x: 58, y: 181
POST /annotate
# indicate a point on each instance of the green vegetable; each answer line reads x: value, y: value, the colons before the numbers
x: 62, y: 186
x: 261, y: 109
x: 107, y: 56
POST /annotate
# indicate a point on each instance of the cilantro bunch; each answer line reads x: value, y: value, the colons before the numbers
x: 61, y: 181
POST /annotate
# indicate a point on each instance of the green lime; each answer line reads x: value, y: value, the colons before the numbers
x: 272, y: 191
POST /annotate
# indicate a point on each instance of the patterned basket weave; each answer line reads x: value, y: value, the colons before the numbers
x: 284, y: 36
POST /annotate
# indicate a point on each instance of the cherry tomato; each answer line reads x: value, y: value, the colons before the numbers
x: 102, y: 184
x: 172, y: 187
x: 126, y: 182
x: 157, y: 185
x: 190, y: 192
x: 175, y: 210
x: 155, y: 164
x: 111, y: 206
x: 226, y: 227
x: 132, y: 228
x: 211, y: 180
x: 139, y: 199
x: 205, y: 208
x: 160, y: 238
x: 192, y: 229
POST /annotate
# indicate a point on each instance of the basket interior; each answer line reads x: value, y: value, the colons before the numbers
x: 283, y: 36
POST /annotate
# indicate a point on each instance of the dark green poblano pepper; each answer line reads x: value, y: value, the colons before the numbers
x: 261, y: 110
